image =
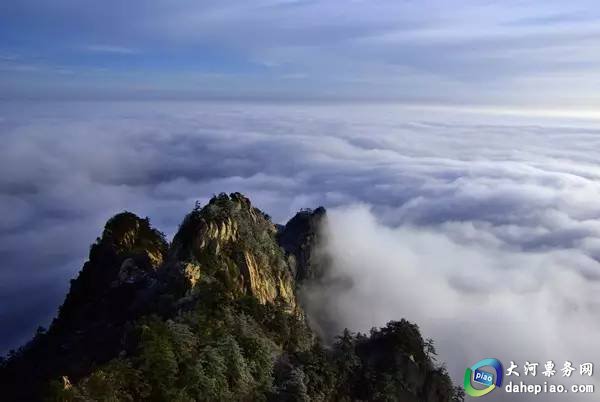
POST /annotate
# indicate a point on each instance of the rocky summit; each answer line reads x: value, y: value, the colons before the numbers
x: 213, y: 316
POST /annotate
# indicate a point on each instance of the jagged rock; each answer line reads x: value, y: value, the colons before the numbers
x: 66, y: 383
x: 263, y: 287
x: 127, y: 233
x: 215, y: 234
x: 236, y: 242
x: 192, y: 273
x: 299, y: 238
x: 183, y: 276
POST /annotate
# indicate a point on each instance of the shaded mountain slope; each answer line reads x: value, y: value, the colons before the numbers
x: 212, y: 316
x: 299, y: 239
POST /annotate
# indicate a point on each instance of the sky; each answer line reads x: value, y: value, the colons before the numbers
x: 509, y: 53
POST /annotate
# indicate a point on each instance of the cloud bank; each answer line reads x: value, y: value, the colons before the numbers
x: 475, y: 295
x: 482, y: 227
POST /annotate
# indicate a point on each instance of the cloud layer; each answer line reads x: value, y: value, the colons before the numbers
x: 475, y: 295
x: 479, y: 226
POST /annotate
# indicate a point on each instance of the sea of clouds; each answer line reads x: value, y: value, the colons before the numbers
x: 482, y: 227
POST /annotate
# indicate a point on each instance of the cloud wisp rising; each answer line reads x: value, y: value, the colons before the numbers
x: 475, y: 295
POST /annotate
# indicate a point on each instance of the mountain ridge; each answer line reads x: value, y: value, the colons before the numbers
x: 213, y: 315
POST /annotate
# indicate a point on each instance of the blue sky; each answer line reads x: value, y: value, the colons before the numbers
x: 538, y: 54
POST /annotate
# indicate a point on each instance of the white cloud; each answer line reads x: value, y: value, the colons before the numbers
x: 477, y: 298
x: 477, y: 210
x: 111, y: 49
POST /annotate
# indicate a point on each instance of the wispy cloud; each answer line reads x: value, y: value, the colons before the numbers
x: 11, y: 65
x: 8, y: 57
x: 554, y: 19
x: 465, y: 51
x: 111, y: 49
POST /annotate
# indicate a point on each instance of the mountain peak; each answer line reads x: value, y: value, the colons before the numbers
x: 235, y: 243
x: 128, y: 233
x: 299, y: 238
x: 214, y: 316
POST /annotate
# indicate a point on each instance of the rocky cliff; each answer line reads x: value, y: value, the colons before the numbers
x: 231, y: 240
x: 299, y: 238
x: 211, y: 316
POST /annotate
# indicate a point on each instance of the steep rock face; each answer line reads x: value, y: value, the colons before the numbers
x: 299, y: 238
x: 232, y: 241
